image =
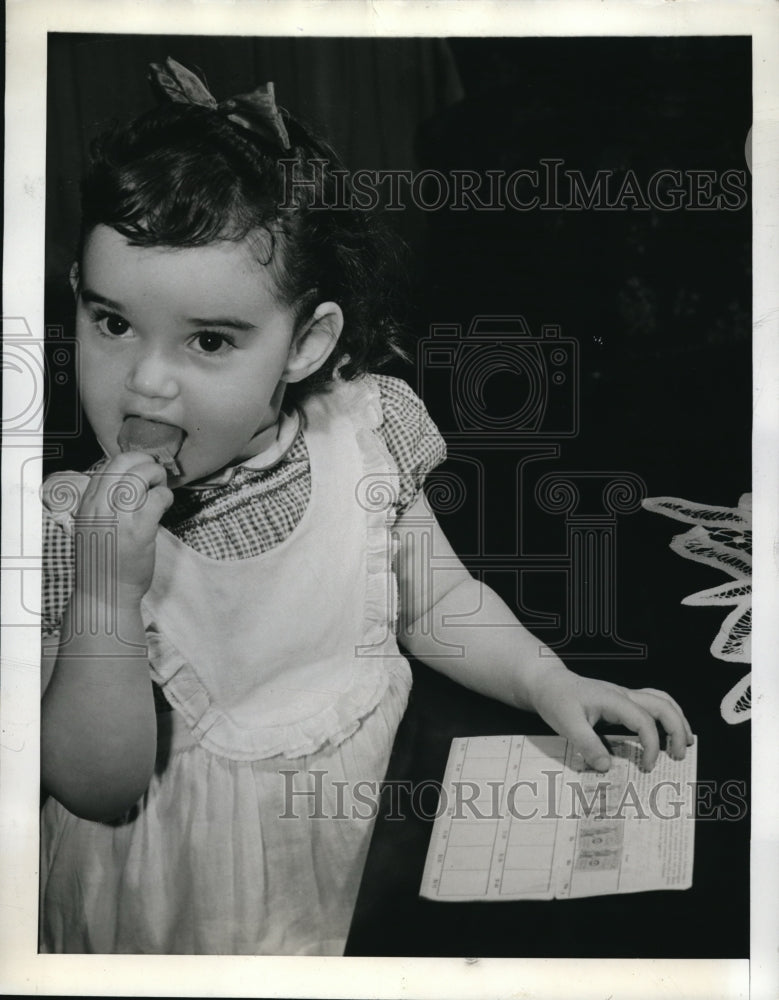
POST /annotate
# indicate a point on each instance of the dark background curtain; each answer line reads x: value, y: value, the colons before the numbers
x: 368, y: 96
x: 659, y: 301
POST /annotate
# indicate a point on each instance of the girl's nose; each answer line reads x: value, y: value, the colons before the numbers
x: 152, y: 376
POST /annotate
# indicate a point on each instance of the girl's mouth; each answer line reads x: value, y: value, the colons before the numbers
x: 162, y: 441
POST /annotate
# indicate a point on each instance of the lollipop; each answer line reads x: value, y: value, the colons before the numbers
x: 161, y: 441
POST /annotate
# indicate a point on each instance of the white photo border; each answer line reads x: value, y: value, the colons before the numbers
x: 22, y: 969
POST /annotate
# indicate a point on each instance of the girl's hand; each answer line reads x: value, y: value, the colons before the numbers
x: 572, y: 705
x: 130, y: 495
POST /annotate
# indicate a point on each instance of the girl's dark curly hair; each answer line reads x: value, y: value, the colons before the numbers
x: 186, y: 176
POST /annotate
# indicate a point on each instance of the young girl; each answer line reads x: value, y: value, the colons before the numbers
x: 220, y: 589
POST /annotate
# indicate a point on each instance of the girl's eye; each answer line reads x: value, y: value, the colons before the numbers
x: 112, y: 325
x: 212, y: 343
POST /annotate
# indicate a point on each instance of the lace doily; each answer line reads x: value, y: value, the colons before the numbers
x: 723, y: 536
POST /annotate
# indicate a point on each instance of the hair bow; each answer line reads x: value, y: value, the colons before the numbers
x: 256, y: 111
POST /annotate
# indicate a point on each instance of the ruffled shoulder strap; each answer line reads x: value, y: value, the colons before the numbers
x: 364, y: 401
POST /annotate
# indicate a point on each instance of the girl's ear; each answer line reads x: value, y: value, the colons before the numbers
x: 313, y: 342
x: 75, y: 277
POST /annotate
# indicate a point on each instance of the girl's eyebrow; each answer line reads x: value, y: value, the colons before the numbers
x: 89, y: 296
x: 229, y: 321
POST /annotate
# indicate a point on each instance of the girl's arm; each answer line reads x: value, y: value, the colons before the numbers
x: 98, y: 723
x: 462, y: 628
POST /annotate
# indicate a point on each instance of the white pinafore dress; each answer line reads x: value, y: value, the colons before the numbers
x: 287, y: 687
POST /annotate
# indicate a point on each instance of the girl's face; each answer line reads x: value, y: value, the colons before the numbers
x: 191, y: 337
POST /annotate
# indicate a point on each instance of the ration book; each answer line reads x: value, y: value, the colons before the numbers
x: 522, y: 817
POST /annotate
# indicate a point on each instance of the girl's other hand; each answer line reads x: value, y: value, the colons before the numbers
x: 129, y: 494
x: 572, y: 705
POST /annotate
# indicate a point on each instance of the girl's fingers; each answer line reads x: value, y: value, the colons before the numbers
x: 690, y: 738
x: 159, y: 499
x: 622, y: 710
x: 669, y: 716
x: 123, y: 490
x: 125, y: 461
x: 591, y: 747
x: 154, y: 474
x: 572, y: 723
x: 639, y: 711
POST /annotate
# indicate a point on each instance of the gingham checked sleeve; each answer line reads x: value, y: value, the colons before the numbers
x: 411, y: 437
x: 58, y: 573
